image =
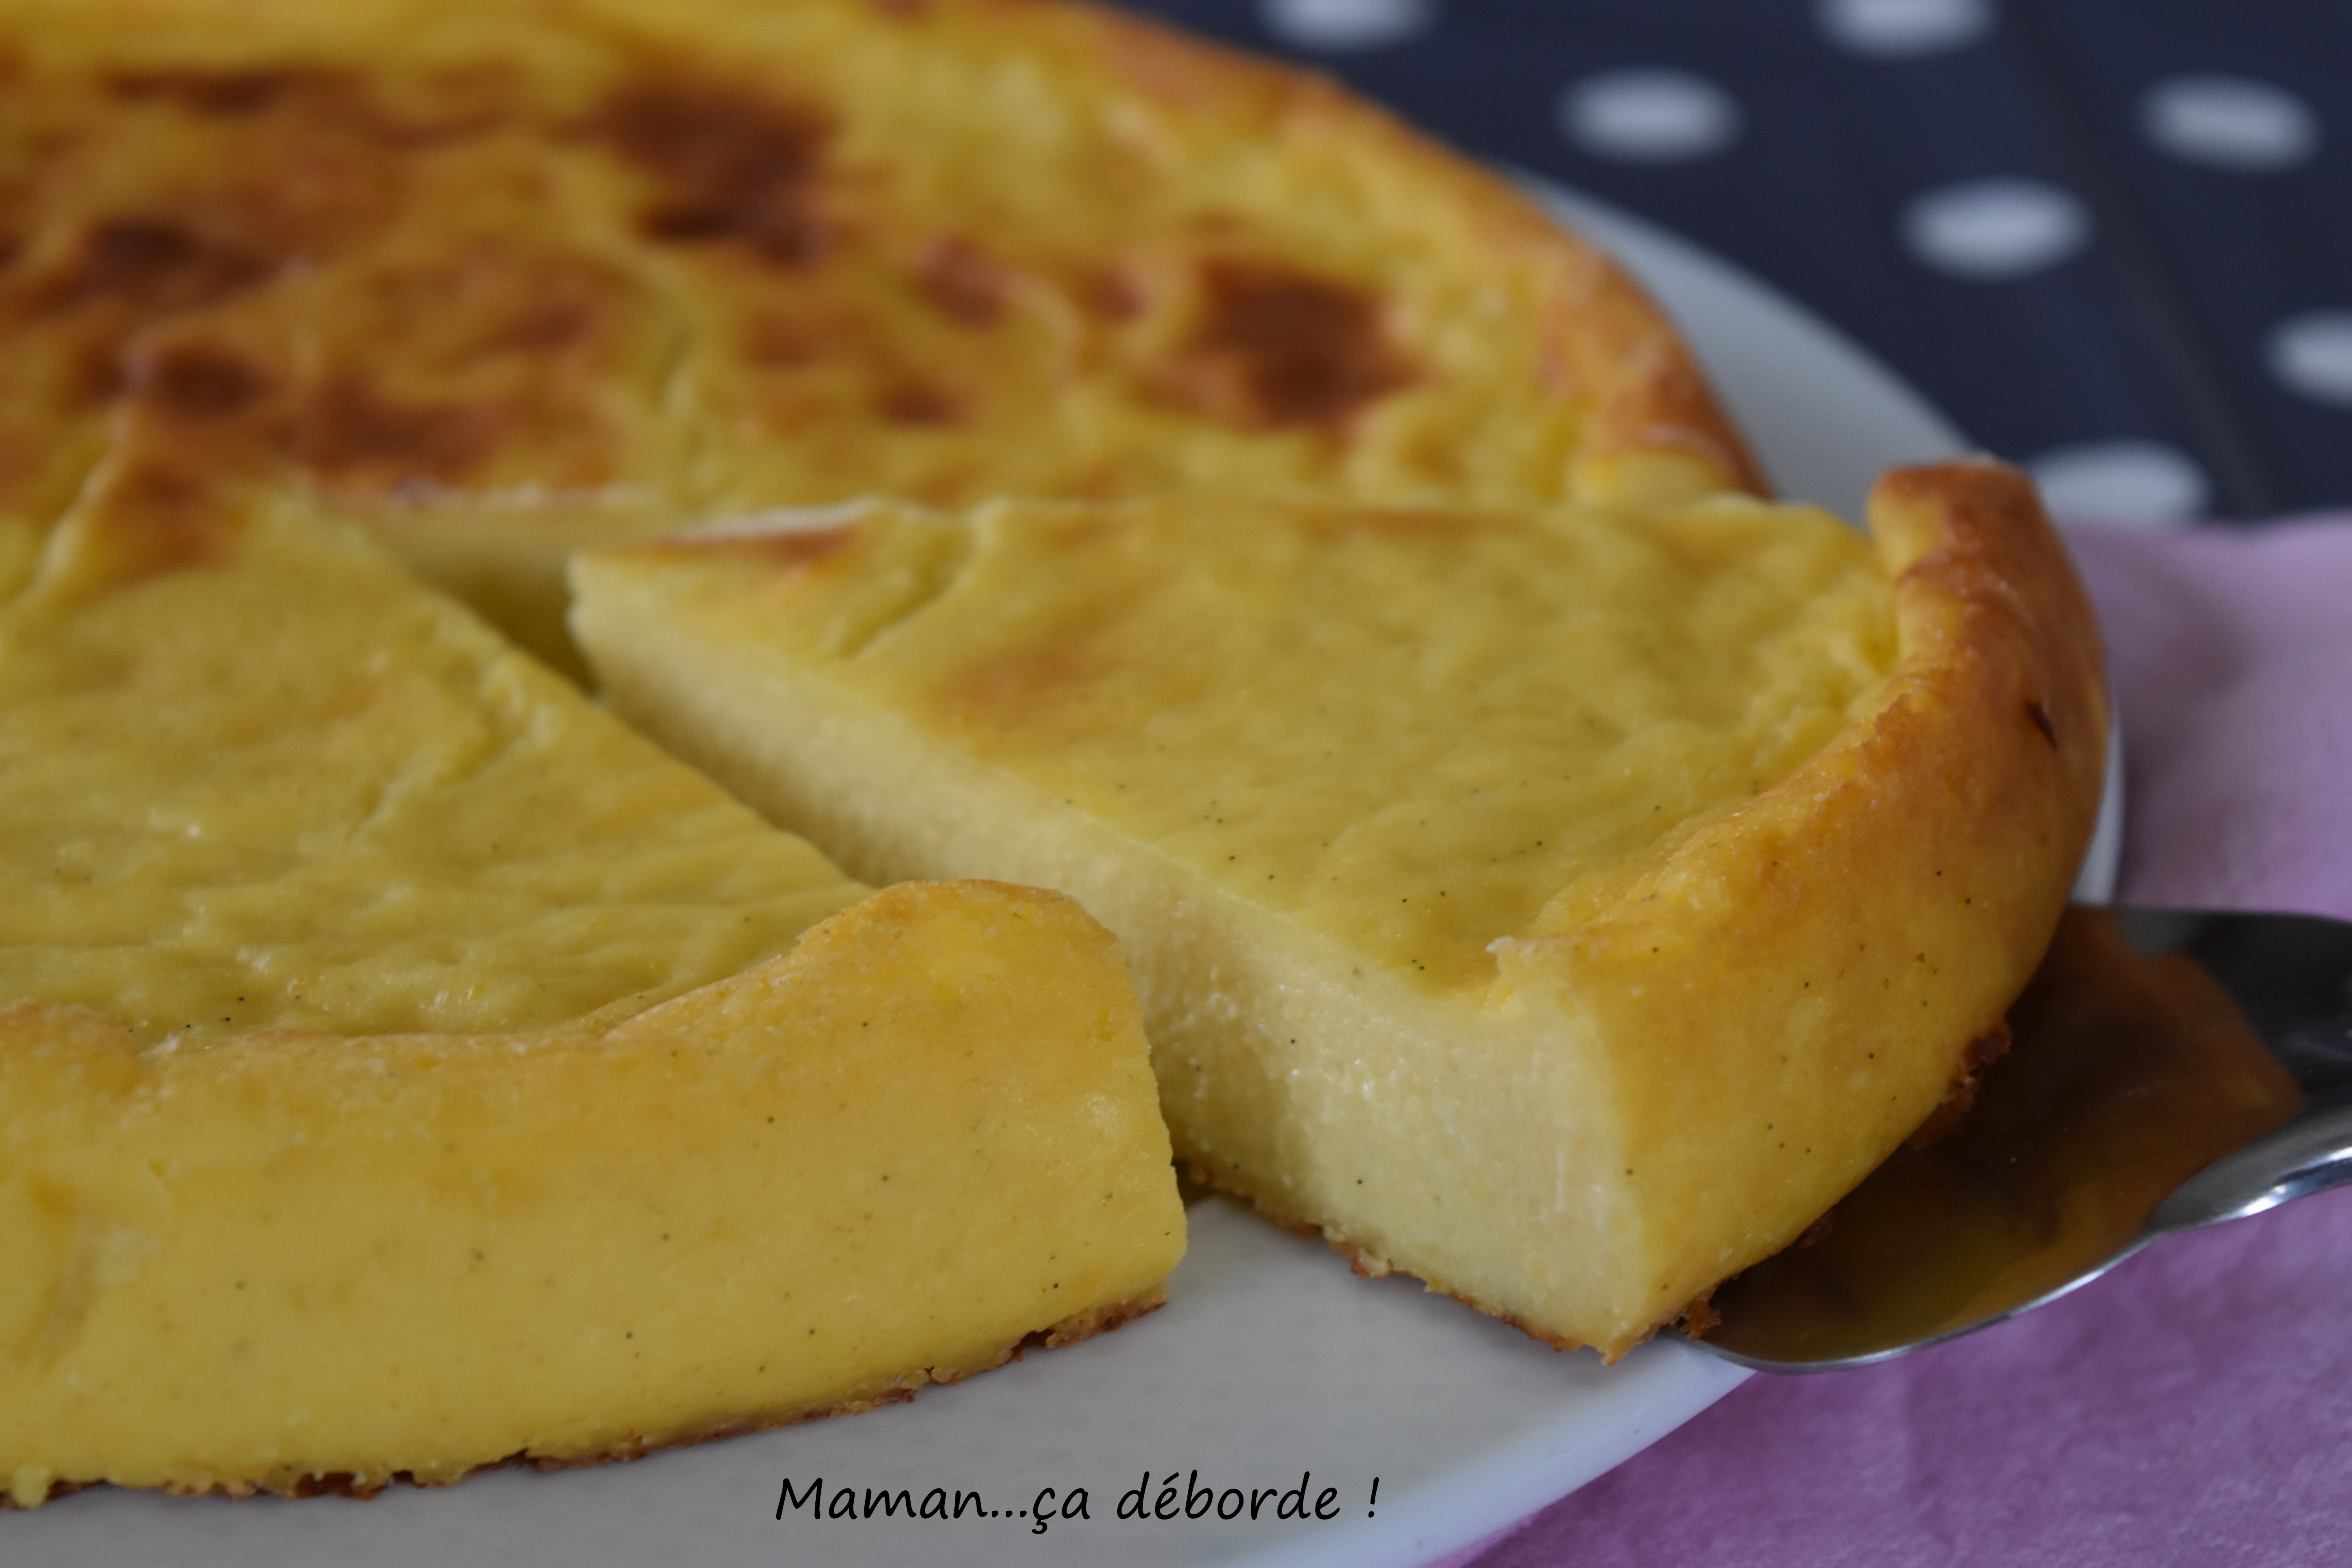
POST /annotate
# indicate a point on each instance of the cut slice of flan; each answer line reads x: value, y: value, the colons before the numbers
x: 406, y: 1068
x: 558, y: 272
x: 1565, y: 906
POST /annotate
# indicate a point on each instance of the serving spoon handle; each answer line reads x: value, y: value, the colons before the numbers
x: 2166, y: 1070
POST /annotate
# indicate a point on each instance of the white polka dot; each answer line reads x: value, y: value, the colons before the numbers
x: 2229, y: 123
x: 1648, y: 116
x: 2143, y: 483
x: 1898, y: 29
x: 1340, y: 27
x: 2312, y: 354
x: 1988, y: 230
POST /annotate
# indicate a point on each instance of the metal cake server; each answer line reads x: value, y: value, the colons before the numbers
x: 2166, y: 1070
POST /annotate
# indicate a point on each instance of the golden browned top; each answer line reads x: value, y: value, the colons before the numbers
x: 589, y: 260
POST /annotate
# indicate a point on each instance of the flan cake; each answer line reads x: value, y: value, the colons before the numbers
x: 508, y: 278
x: 405, y: 1067
x: 1563, y: 906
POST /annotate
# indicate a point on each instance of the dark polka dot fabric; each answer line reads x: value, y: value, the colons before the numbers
x: 2110, y: 241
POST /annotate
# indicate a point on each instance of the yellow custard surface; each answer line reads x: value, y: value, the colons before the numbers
x: 1291, y: 701
x: 297, y: 791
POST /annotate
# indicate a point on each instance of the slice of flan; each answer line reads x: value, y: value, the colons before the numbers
x: 507, y: 277
x: 1565, y: 906
x: 405, y: 1068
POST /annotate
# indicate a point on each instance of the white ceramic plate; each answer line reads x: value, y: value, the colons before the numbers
x: 1271, y: 1368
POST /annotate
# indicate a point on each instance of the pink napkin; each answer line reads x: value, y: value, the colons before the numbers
x: 2195, y: 1405
x: 2232, y: 656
